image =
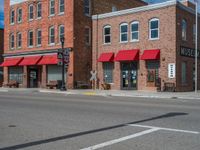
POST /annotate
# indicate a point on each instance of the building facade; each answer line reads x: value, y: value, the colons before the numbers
x: 147, y: 48
x: 33, y: 30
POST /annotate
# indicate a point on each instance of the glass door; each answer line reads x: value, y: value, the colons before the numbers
x: 129, y: 76
x: 33, y: 78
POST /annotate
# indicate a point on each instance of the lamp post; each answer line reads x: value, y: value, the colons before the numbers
x: 63, y: 87
x: 196, y: 49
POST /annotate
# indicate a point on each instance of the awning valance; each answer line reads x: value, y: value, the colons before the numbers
x: 151, y: 55
x: 48, y: 60
x: 127, y: 55
x: 8, y: 62
x: 106, y: 57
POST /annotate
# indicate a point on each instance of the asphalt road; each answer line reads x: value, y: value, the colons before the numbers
x: 35, y: 121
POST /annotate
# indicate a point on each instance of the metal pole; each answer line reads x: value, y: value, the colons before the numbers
x: 63, y: 88
x: 196, y: 47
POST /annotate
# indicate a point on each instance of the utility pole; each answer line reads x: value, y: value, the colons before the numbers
x: 196, y: 49
x: 63, y: 87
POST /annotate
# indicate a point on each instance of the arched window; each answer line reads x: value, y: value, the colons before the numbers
x: 19, y: 40
x: 30, y: 12
x: 51, y: 35
x: 12, y: 41
x: 135, y: 31
x: 19, y: 15
x: 61, y: 32
x: 39, y: 10
x: 30, y: 38
x: 184, y: 29
x: 154, y: 29
x: 61, y: 6
x: 124, y: 32
x: 39, y: 37
x: 52, y: 7
x: 107, y: 34
x: 12, y: 16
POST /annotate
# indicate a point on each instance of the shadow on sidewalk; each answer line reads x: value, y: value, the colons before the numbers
x: 45, y: 141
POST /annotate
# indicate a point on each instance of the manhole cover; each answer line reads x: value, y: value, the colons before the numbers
x: 12, y: 126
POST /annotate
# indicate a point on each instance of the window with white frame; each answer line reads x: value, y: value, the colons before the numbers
x: 12, y: 16
x: 124, y: 32
x: 154, y: 29
x: 184, y: 29
x: 19, y: 40
x: 108, y: 72
x: 61, y: 6
x: 87, y: 35
x: 12, y: 41
x: 51, y: 35
x: 19, y: 15
x: 87, y: 7
x: 39, y: 10
x: 52, y: 7
x: 39, y: 37
x: 30, y: 38
x: 61, y: 32
x: 30, y: 12
x: 135, y: 31
x: 194, y: 32
x: 184, y: 72
x: 107, y: 34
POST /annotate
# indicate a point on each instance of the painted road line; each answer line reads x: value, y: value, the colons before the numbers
x: 166, y: 129
x: 108, y: 143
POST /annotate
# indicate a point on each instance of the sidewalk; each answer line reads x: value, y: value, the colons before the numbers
x: 144, y: 94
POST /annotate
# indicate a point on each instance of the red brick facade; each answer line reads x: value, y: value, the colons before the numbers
x: 170, y: 15
x: 74, y: 22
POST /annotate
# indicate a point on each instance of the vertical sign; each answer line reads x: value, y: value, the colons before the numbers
x: 171, y: 70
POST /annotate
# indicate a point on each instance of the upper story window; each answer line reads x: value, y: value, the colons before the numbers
x: 52, y: 7
x: 87, y: 36
x: 135, y: 31
x: 61, y: 6
x: 184, y: 29
x: 12, y: 16
x: 30, y: 39
x: 12, y: 41
x: 30, y: 12
x: 19, y: 40
x: 51, y: 35
x: 19, y: 15
x: 154, y: 29
x: 87, y: 10
x: 124, y: 32
x: 39, y: 10
x: 107, y: 34
x: 39, y: 37
x: 61, y: 32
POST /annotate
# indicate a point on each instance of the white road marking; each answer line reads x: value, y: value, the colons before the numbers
x: 166, y: 129
x: 98, y: 146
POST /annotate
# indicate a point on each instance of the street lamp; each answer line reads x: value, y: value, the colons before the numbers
x: 196, y: 49
x: 63, y: 87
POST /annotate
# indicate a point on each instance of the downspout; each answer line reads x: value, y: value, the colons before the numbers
x: 97, y: 52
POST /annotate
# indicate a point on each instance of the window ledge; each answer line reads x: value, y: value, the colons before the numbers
x: 51, y: 15
x: 134, y: 41
x: 60, y: 14
x: 106, y: 44
x: 12, y: 24
x: 38, y: 18
x: 52, y: 44
x: 30, y: 46
x: 154, y: 39
x: 123, y: 42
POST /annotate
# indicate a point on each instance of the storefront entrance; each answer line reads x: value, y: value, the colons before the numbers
x: 129, y: 76
x: 33, y: 78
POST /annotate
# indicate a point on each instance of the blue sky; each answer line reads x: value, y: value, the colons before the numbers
x: 2, y: 8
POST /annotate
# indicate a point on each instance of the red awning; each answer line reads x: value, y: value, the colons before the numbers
x: 127, y: 55
x: 48, y: 60
x: 11, y: 61
x: 106, y: 57
x: 32, y: 60
x: 151, y: 55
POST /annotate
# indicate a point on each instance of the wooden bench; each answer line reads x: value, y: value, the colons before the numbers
x: 105, y: 86
x: 169, y: 87
x: 52, y: 84
x: 12, y: 83
x: 82, y: 84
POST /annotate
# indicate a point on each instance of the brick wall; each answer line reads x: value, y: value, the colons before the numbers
x: 1, y: 44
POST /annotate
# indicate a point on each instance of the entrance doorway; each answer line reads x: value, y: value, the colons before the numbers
x: 33, y: 77
x: 129, y: 76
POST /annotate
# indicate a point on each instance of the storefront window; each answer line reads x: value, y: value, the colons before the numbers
x: 16, y: 74
x: 108, y: 72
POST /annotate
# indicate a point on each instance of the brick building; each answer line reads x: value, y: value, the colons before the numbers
x: 1, y: 53
x: 146, y: 48
x: 33, y: 29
